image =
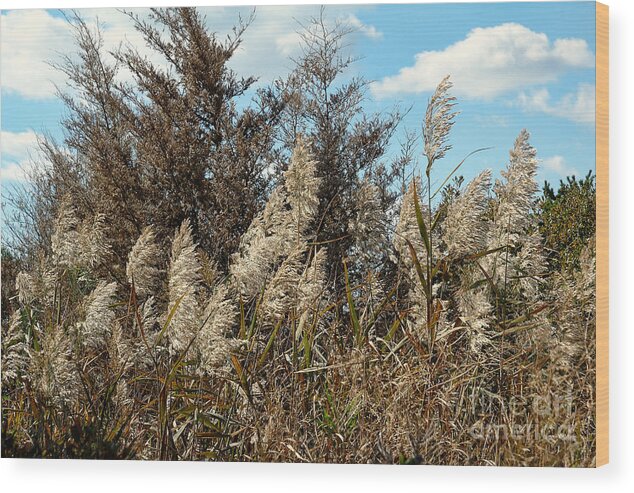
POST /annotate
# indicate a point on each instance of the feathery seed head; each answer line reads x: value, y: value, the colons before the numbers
x: 65, y: 239
x: 312, y: 282
x: 78, y: 243
x: 269, y: 237
x: 281, y: 291
x: 25, y: 286
x: 369, y: 227
x: 464, y: 229
x: 184, y: 280
x: 120, y: 349
x: 97, y: 326
x: 142, y: 266
x: 516, y: 193
x: 53, y: 371
x: 474, y: 308
x: 576, y: 310
x: 530, y: 264
x: 15, y: 351
x: 439, y: 118
x: 214, y: 346
x: 302, y: 186
x: 93, y: 242
x: 407, y: 227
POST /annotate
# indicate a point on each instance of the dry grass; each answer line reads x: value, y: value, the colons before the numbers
x: 465, y: 350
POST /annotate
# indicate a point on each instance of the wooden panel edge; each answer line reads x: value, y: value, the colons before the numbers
x: 602, y: 234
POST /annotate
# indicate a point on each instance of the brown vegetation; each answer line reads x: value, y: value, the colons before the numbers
x: 201, y: 282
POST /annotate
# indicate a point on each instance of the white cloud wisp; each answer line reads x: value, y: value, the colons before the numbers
x: 32, y: 39
x: 490, y: 62
x: 19, y: 151
x: 558, y: 165
x: 578, y: 106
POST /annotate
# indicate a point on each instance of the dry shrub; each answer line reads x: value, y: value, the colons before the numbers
x: 470, y: 351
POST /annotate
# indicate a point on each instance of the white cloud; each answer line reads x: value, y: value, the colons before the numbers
x: 29, y: 38
x: 559, y: 165
x: 32, y: 38
x: 19, y: 151
x: 278, y: 27
x: 577, y: 106
x: 288, y: 44
x: 14, y: 172
x: 365, y: 29
x: 491, y: 61
x: 17, y: 144
x: 268, y: 43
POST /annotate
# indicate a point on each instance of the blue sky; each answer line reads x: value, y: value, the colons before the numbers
x: 514, y: 66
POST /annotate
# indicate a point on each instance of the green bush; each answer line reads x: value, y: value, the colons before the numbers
x: 567, y: 220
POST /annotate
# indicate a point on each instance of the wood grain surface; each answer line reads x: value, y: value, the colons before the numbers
x: 602, y: 156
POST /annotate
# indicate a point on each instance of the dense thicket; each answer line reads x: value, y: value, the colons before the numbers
x: 568, y: 219
x: 203, y: 280
x: 189, y: 138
